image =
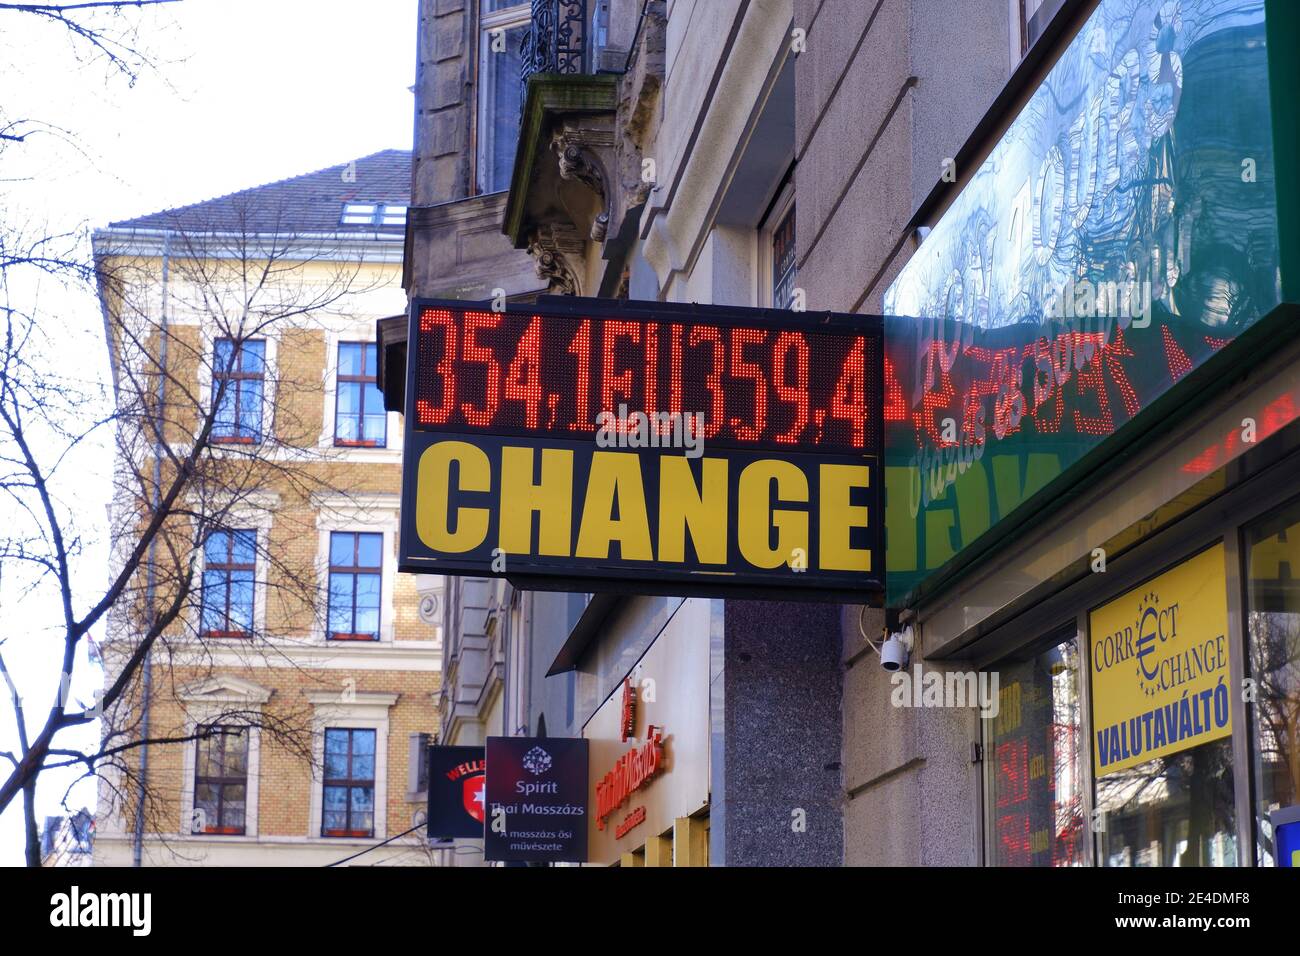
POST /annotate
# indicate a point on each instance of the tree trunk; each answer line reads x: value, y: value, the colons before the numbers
x: 29, y: 815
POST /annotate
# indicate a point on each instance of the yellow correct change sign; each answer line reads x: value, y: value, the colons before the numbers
x: 1159, y: 666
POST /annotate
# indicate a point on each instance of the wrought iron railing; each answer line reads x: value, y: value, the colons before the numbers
x: 555, y: 41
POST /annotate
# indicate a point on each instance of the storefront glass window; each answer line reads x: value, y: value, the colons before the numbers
x: 1036, y: 782
x: 1273, y: 620
x: 1171, y: 811
x: 783, y: 262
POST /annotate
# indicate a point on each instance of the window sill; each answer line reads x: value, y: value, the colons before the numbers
x: 352, y: 834
x: 227, y: 635
x: 350, y: 443
x: 234, y: 440
x: 335, y: 636
x: 222, y: 831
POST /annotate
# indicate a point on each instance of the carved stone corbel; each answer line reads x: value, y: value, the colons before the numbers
x: 552, y: 246
x: 586, y: 154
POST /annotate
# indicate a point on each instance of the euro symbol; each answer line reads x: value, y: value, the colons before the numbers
x: 1146, y: 643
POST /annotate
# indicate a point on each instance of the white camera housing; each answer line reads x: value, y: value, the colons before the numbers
x: 896, y: 649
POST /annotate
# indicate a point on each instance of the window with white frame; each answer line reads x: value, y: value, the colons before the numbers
x: 348, y: 798
x: 783, y: 262
x: 227, y: 585
x: 238, y: 389
x: 357, y: 537
x: 776, y: 250
x: 1029, y: 19
x: 221, y: 780
x: 360, y: 419
x: 502, y: 25
x: 349, y: 790
x: 355, y: 585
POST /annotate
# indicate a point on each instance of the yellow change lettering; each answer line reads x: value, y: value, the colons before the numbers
x: 702, y: 509
x: 838, y: 517
x: 552, y: 499
x: 433, y: 491
x: 757, y: 517
x: 615, y: 477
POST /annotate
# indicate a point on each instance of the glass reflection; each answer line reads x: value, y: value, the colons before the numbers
x: 1273, y: 620
x: 1036, y: 783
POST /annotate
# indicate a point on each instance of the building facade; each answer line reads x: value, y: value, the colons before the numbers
x: 293, y: 696
x: 1070, y: 214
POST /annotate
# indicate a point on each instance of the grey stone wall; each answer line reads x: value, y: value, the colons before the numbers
x: 886, y: 90
x: 779, y: 753
x: 443, y: 101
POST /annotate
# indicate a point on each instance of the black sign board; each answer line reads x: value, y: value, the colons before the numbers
x: 456, y: 792
x: 536, y: 800
x: 583, y: 444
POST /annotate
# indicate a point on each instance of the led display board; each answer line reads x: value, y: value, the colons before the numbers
x: 1122, y: 231
x: 596, y: 445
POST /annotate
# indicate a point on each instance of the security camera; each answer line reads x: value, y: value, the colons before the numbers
x: 895, y: 649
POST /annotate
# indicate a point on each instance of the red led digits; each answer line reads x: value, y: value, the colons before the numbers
x: 675, y: 370
x: 476, y: 354
x: 895, y: 406
x: 445, y: 368
x: 1179, y: 363
x: 580, y: 348
x: 791, y: 349
x: 1114, y: 352
x: 849, y: 400
x: 651, y: 368
x: 713, y: 382
x: 616, y: 386
x: 1092, y: 379
x: 740, y: 370
x: 524, y: 376
x: 518, y: 372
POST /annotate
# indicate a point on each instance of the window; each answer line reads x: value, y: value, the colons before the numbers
x: 220, y: 780
x: 372, y: 214
x: 229, y: 561
x: 1035, y: 779
x: 1273, y: 621
x: 359, y: 416
x: 501, y: 32
x: 356, y: 563
x: 1034, y: 17
x: 1172, y: 811
x: 238, y: 377
x: 349, y: 796
x: 783, y: 263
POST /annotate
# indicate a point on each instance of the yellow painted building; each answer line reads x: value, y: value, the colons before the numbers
x: 295, y: 689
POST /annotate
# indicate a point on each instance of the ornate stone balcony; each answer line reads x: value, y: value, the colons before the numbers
x: 578, y: 176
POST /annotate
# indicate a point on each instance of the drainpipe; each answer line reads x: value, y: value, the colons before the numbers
x: 146, y: 682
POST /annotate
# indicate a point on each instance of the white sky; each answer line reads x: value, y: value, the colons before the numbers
x: 246, y: 92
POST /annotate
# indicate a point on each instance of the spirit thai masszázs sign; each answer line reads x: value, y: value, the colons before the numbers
x: 665, y: 449
x: 1159, y: 666
x: 1121, y: 231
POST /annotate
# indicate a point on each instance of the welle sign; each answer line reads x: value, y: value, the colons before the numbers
x: 587, y: 445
